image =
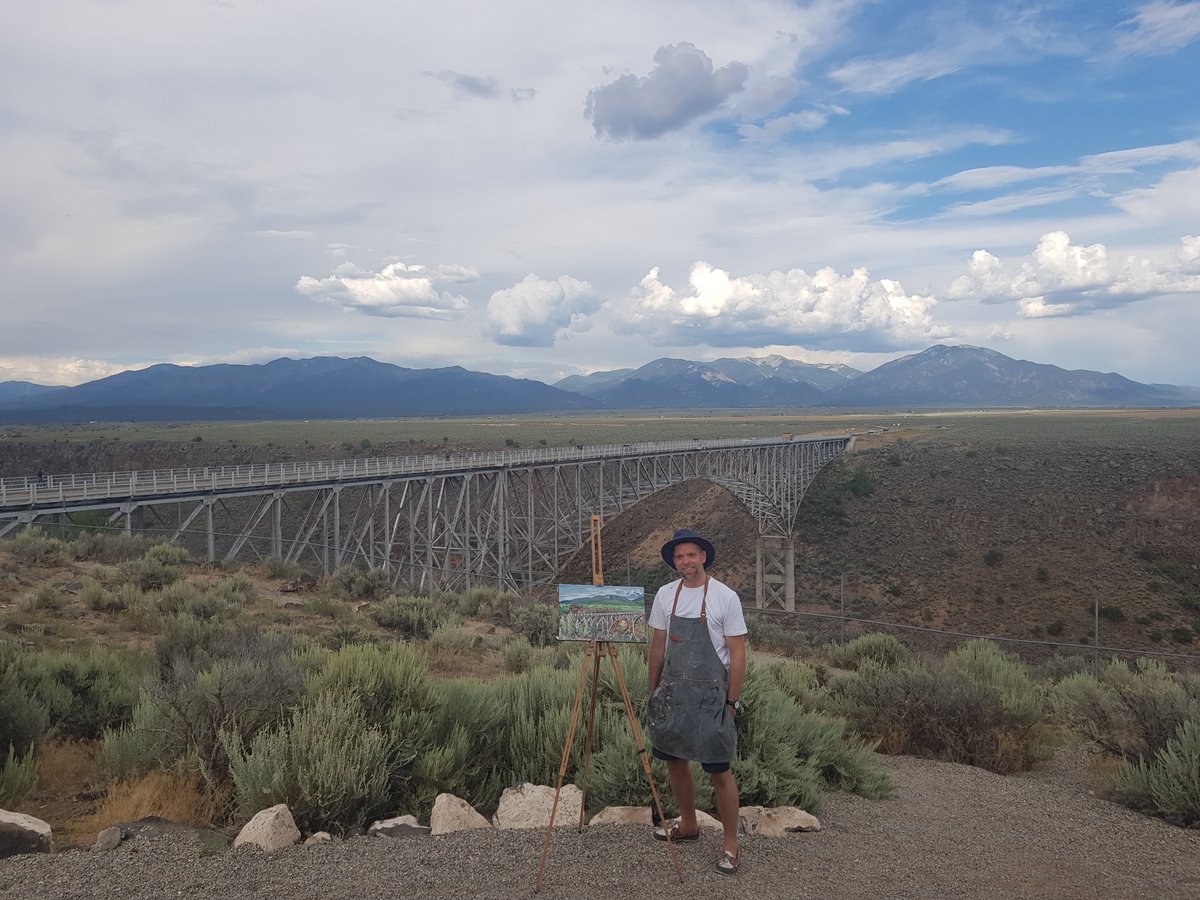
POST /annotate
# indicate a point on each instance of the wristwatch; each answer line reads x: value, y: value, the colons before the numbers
x: 736, y: 704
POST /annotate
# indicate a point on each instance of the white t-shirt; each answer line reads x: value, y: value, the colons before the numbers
x: 722, y: 605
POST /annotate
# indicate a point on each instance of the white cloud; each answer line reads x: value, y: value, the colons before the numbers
x: 827, y: 309
x: 534, y: 312
x: 806, y: 120
x: 680, y: 88
x: 1160, y: 27
x: 1065, y: 279
x: 60, y: 370
x: 398, y: 291
x: 883, y: 76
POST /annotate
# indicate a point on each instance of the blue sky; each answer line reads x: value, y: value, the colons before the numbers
x: 541, y: 190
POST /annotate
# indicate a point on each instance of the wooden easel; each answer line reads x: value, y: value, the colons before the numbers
x: 595, y: 650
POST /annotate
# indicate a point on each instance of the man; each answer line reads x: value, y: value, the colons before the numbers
x: 697, y: 665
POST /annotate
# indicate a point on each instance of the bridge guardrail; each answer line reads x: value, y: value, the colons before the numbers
x: 33, y: 492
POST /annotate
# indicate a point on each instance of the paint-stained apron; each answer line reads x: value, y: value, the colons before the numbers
x: 686, y: 714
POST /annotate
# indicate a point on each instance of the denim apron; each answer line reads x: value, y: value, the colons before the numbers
x: 686, y: 714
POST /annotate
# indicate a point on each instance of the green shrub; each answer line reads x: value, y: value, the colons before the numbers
x: 66, y: 694
x: 1190, y: 602
x: 1167, y: 784
x: 40, y: 599
x: 168, y: 554
x: 1056, y: 627
x: 451, y: 638
x: 212, y: 680
x: 993, y: 557
x: 1131, y: 711
x: 1182, y: 634
x: 1111, y: 612
x: 974, y: 708
x: 355, y: 583
x: 108, y: 547
x: 395, y: 695
x: 18, y: 776
x: 883, y: 649
x: 23, y: 718
x: 149, y: 574
x: 415, y: 618
x: 32, y: 547
x: 517, y: 653
x: 235, y: 590
x: 861, y: 483
x: 327, y: 607
x: 330, y: 765
x: 537, y: 621
x: 282, y: 569
x: 801, y: 682
x: 483, y: 603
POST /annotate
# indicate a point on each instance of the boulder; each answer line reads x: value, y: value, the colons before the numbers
x: 452, y: 813
x: 622, y: 815
x: 20, y: 833
x: 320, y: 837
x: 776, y: 821
x: 108, y: 839
x: 270, y: 829
x: 398, y: 827
x: 528, y: 806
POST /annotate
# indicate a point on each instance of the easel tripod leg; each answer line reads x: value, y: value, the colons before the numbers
x: 643, y: 755
x: 587, y: 743
x: 566, y: 755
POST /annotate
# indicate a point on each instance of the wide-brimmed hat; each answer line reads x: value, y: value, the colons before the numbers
x: 687, y: 536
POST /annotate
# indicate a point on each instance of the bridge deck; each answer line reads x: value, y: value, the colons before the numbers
x: 30, y: 493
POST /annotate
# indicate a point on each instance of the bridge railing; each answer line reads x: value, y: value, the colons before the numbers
x: 49, y: 490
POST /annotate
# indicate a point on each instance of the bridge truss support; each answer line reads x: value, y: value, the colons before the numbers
x: 776, y: 566
x: 509, y: 522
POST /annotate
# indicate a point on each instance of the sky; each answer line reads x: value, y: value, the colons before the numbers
x: 543, y: 189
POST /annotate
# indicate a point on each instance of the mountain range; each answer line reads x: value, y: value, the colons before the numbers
x: 360, y: 387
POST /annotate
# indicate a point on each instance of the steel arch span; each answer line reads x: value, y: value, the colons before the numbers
x: 440, y: 522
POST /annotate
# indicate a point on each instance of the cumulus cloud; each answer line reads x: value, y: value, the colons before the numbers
x: 680, y: 88
x: 534, y: 312
x: 1065, y: 279
x: 1160, y: 27
x: 397, y: 291
x: 825, y: 308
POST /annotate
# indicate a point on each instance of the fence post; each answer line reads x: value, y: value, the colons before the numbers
x: 1096, y: 636
x: 842, y: 594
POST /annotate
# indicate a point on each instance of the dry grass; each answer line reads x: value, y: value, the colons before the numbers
x: 1102, y: 769
x: 171, y: 795
x: 69, y: 764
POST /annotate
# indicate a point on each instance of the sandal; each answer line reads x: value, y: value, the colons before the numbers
x: 727, y: 863
x: 660, y: 834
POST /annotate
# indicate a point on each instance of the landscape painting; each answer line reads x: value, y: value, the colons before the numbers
x: 588, y: 612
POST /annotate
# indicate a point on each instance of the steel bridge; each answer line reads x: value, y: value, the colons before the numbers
x: 447, y: 521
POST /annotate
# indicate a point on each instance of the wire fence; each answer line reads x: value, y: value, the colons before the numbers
x: 816, y: 628
x: 799, y: 628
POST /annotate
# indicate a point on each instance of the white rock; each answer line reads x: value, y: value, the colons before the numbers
x: 319, y: 837
x: 270, y: 829
x: 398, y: 826
x: 529, y: 806
x: 108, y: 839
x: 452, y: 813
x: 777, y: 821
x: 623, y: 815
x: 20, y: 833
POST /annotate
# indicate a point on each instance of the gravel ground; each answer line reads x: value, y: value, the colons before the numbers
x: 950, y: 832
